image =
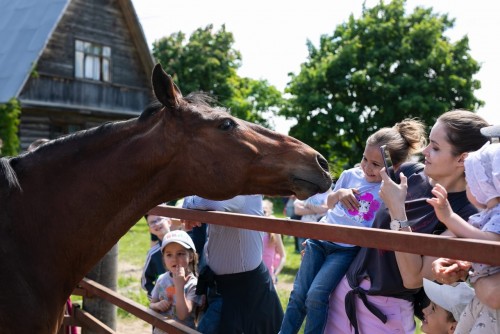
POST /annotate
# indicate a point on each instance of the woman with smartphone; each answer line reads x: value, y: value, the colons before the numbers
x: 376, y: 294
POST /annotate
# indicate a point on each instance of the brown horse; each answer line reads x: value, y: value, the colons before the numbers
x: 64, y: 205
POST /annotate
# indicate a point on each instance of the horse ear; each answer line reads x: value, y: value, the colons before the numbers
x: 164, y: 88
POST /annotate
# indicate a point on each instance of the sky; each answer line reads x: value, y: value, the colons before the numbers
x: 271, y: 34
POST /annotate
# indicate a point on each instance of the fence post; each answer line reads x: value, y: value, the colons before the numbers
x: 104, y: 272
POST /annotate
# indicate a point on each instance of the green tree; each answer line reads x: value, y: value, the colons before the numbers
x: 208, y: 62
x: 9, y: 123
x: 373, y: 72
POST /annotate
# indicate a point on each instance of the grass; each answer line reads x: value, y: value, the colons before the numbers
x: 132, y: 250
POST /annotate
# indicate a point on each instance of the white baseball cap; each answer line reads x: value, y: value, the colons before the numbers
x: 452, y: 298
x: 180, y: 237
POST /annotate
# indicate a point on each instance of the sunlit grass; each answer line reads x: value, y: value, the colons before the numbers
x: 132, y: 250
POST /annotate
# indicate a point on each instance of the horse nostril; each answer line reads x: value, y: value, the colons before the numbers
x: 323, y: 163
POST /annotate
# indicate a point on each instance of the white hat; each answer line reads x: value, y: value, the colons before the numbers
x: 482, y: 172
x: 491, y: 131
x: 452, y: 298
x: 180, y: 237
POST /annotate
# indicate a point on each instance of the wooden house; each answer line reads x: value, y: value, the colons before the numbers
x: 72, y: 64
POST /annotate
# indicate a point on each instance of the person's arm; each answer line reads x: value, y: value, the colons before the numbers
x: 449, y: 271
x: 280, y: 249
x: 183, y: 306
x: 454, y: 222
x: 156, y: 304
x: 487, y: 290
x: 161, y: 305
x: 199, y: 203
x: 300, y: 209
x: 345, y: 196
x: 148, y: 275
x: 412, y: 267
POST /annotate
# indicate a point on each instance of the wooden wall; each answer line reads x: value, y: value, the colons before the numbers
x: 55, y: 103
x: 98, y: 21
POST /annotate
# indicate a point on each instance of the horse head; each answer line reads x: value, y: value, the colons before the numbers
x: 224, y: 156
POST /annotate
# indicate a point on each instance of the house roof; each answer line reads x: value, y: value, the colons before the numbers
x: 25, y: 29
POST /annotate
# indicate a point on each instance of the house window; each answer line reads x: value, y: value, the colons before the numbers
x: 92, y: 61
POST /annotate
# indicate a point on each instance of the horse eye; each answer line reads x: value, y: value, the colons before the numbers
x: 227, y: 124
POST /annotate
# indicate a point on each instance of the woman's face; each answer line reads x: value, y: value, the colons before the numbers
x: 372, y: 163
x: 436, y: 320
x: 440, y: 162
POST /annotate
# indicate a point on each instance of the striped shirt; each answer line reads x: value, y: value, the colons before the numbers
x: 230, y: 250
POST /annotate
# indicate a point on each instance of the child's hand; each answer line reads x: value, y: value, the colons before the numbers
x: 162, y: 306
x: 348, y: 198
x: 440, y: 203
x: 449, y: 271
x: 179, y: 277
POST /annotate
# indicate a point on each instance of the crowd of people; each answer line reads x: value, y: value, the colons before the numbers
x: 342, y: 288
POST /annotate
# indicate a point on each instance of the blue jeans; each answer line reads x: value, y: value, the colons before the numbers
x: 322, y: 267
x: 210, y: 320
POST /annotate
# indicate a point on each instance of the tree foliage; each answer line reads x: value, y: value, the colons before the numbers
x: 373, y: 72
x: 9, y: 124
x: 208, y: 62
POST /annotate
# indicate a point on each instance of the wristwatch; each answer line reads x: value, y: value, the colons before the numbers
x: 397, y: 225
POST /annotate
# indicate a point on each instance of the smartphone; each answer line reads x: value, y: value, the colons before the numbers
x: 386, y: 157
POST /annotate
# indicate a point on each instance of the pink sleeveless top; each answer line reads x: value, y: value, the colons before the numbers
x: 268, y: 253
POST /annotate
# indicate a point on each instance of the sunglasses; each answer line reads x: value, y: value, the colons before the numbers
x: 156, y: 221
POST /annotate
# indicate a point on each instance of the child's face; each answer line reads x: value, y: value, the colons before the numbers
x: 372, y: 163
x: 436, y: 320
x: 175, y: 256
x: 473, y: 199
x: 158, y: 226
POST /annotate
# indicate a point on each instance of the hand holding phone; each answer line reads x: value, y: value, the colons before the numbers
x: 386, y: 157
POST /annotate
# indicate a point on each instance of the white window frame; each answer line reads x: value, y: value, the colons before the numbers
x: 92, y: 61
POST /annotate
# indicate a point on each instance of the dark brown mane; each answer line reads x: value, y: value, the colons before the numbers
x: 197, y: 98
x: 201, y: 98
x: 150, y: 110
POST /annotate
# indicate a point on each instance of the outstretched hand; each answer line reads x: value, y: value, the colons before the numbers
x: 440, y: 203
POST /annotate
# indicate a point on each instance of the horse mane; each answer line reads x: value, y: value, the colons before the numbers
x: 197, y: 98
x: 8, y: 175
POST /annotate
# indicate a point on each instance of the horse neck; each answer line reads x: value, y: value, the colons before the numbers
x: 88, y: 189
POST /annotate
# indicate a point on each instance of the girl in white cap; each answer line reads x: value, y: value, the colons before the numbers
x: 174, y: 293
x: 482, y: 173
